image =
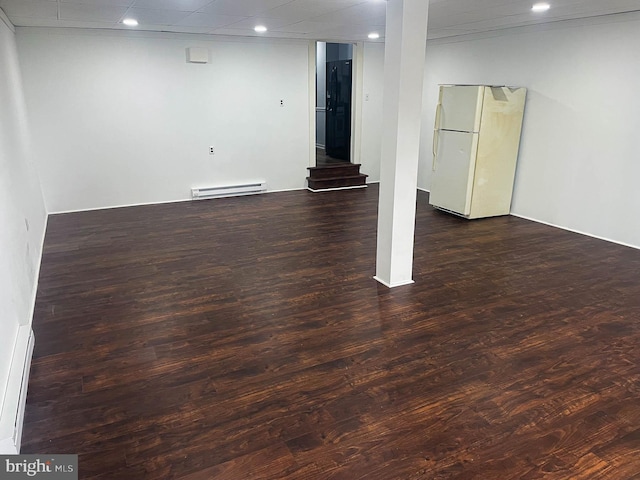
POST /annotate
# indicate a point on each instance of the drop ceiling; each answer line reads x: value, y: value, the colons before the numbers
x: 340, y: 20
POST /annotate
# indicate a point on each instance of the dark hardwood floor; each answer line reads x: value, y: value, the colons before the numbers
x: 245, y: 338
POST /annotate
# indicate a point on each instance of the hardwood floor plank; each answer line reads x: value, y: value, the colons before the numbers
x: 246, y: 338
x: 271, y: 462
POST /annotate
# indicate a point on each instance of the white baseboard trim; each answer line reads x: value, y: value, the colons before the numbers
x: 162, y: 202
x: 286, y: 190
x: 142, y: 204
x: 576, y: 231
x: 393, y: 285
x: 320, y: 146
x: 373, y: 182
x: 336, y: 188
x: 12, y: 415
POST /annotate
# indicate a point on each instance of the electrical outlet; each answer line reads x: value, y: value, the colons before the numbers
x: 366, y: 97
x: 212, y: 150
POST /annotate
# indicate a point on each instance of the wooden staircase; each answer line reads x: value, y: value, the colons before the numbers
x: 339, y: 175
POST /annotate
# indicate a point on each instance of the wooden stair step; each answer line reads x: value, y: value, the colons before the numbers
x: 333, y: 171
x: 337, y: 182
x: 359, y: 175
x: 335, y: 165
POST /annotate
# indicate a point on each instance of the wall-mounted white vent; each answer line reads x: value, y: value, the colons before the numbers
x: 228, y: 190
x: 197, y: 55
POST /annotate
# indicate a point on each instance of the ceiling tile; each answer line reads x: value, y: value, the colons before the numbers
x: 298, y: 12
x: 209, y: 20
x: 452, y: 7
x: 34, y: 21
x: 357, y: 31
x: 91, y: 13
x: 30, y: 8
x: 319, y: 19
x: 250, y: 33
x: 247, y: 8
x: 447, y: 32
x: 358, y: 14
x: 305, y: 27
x: 327, y: 6
x: 177, y: 28
x: 102, y: 3
x: 251, y: 22
x: 509, y: 21
x: 461, y: 18
x: 54, y: 22
x: 179, y: 5
x: 592, y: 8
x: 243, y: 32
x: 151, y: 16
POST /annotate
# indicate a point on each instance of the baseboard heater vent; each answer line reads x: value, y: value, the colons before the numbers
x: 203, y: 193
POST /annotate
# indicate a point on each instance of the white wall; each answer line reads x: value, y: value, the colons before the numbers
x: 120, y: 118
x: 578, y: 166
x: 22, y: 213
x: 123, y: 119
x: 373, y: 71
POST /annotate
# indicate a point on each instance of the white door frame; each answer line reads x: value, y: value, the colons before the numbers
x: 356, y: 100
x: 312, y: 102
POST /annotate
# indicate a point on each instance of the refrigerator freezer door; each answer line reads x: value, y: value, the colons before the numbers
x: 452, y: 182
x: 461, y: 108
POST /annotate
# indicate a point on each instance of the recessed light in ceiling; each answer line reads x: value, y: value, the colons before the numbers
x: 541, y: 7
x: 130, y: 22
x: 374, y: 36
x: 260, y: 29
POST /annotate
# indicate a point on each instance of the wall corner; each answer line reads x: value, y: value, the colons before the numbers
x: 5, y: 19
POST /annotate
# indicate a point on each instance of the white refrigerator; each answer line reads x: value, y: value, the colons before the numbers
x: 475, y: 149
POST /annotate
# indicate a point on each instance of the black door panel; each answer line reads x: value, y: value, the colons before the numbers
x: 338, y: 120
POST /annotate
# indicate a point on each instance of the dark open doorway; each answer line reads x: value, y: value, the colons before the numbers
x: 334, y: 88
x: 334, y: 84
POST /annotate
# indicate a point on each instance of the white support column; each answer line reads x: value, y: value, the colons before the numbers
x: 405, y: 47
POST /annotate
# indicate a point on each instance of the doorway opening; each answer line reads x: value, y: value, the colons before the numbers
x: 334, y: 86
x: 335, y: 118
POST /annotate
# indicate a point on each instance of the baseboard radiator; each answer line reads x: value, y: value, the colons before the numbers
x: 12, y: 414
x: 203, y: 193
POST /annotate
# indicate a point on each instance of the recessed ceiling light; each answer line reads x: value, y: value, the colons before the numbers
x: 260, y: 29
x: 130, y: 22
x: 374, y: 36
x: 541, y: 7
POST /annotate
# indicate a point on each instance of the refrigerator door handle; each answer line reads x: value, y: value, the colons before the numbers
x: 436, y: 129
x: 435, y: 149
